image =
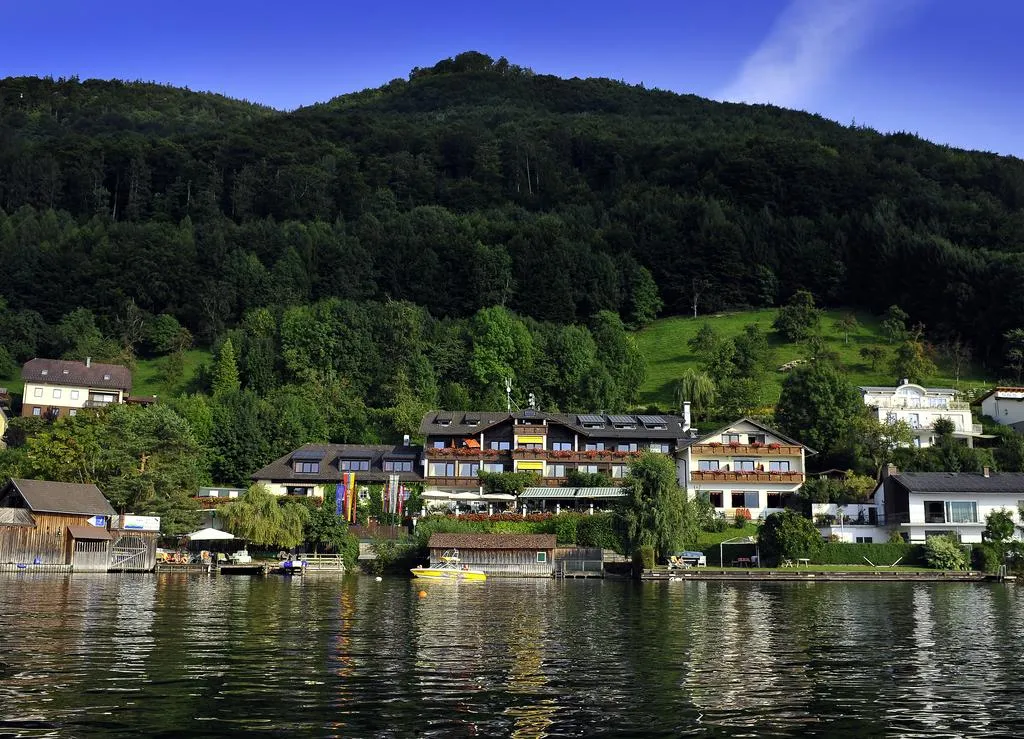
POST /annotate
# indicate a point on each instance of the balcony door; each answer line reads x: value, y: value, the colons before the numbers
x: 935, y: 511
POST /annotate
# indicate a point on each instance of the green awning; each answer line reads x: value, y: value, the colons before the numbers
x: 571, y: 493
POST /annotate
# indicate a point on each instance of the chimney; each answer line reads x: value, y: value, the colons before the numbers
x: 88, y: 361
x: 405, y: 440
x: 905, y: 381
x: 889, y: 470
x: 686, y: 415
x: 986, y: 471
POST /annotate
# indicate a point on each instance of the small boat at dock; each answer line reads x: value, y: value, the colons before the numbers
x: 449, y: 568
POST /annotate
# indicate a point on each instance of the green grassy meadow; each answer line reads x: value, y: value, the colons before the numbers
x: 663, y: 344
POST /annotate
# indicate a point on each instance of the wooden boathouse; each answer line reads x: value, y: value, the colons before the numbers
x: 499, y: 555
x: 58, y: 525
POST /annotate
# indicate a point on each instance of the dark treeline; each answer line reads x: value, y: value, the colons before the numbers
x: 478, y: 183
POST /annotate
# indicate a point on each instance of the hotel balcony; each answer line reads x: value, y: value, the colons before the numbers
x: 570, y: 457
x: 760, y: 476
x: 918, y: 405
x: 466, y: 453
x: 745, y: 450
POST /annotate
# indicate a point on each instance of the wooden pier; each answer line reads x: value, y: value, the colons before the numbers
x: 811, y: 575
x: 22, y: 567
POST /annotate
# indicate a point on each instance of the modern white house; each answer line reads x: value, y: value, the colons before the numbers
x: 745, y: 466
x: 923, y: 504
x: 920, y: 408
x: 1004, y: 405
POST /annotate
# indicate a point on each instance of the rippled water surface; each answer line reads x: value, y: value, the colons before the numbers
x: 171, y: 656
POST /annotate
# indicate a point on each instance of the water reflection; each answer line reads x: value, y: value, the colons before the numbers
x: 175, y: 655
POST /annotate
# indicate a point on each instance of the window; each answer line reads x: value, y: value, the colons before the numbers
x: 364, y: 495
x: 494, y: 467
x: 37, y: 392
x: 398, y: 465
x: 730, y: 438
x: 779, y: 466
x: 37, y: 412
x: 744, y: 465
x: 588, y: 468
x: 502, y: 446
x: 56, y: 392
x: 627, y: 447
x: 961, y: 512
x: 296, y: 490
x: 469, y: 469
x: 865, y: 540
x: 542, y: 557
x: 594, y: 446
x: 74, y: 395
x: 707, y: 465
x: 437, y: 445
x: 778, y: 500
x: 661, y: 447
x: 914, y: 420
x: 73, y: 412
x: 618, y: 471
x: 715, y: 498
x: 307, y: 468
x: 755, y: 438
x: 44, y: 372
x: 530, y: 445
x: 353, y: 465
x: 556, y: 470
x: 742, y: 499
x: 106, y: 376
x: 561, y: 446
x: 934, y: 511
x: 442, y: 469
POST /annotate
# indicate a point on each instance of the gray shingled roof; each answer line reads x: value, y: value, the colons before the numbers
x: 758, y: 424
x: 43, y: 496
x: 430, y: 426
x: 961, y: 482
x: 66, y: 372
x: 280, y: 470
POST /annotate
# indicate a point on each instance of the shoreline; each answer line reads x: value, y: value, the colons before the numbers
x: 788, y: 575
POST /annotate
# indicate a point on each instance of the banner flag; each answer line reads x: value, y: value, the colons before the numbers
x: 352, y: 498
x: 339, y: 498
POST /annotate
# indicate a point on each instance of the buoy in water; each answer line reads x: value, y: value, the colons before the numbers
x: 423, y: 593
x: 378, y: 578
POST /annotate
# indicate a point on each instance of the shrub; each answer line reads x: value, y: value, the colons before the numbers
x: 566, y: 526
x: 599, y: 531
x: 945, y: 553
x: 844, y: 553
x: 986, y: 557
x: 717, y: 525
x: 788, y: 535
x: 644, y: 557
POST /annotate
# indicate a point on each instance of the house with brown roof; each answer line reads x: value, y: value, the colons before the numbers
x: 55, y: 523
x: 61, y: 387
x: 499, y: 555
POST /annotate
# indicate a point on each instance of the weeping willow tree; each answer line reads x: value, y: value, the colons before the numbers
x: 698, y: 388
x: 655, y: 512
x: 261, y: 517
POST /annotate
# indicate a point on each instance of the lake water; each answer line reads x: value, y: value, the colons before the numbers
x: 173, y: 656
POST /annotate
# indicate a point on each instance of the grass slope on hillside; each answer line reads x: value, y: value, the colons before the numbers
x: 664, y: 345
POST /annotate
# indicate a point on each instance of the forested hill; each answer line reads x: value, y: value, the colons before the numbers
x: 476, y: 183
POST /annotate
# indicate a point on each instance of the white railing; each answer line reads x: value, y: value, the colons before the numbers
x: 938, y: 404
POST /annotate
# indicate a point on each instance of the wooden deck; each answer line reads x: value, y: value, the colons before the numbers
x: 789, y: 575
x: 20, y: 567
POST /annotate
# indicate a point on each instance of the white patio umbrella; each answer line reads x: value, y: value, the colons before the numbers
x: 209, y: 535
x: 436, y: 495
x: 465, y: 495
x: 498, y: 496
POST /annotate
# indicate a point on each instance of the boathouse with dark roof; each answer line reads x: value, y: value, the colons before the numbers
x: 499, y: 555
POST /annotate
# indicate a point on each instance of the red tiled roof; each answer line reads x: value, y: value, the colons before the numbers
x: 536, y: 542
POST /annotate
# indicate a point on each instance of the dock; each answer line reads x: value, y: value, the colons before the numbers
x: 811, y: 575
x: 22, y: 567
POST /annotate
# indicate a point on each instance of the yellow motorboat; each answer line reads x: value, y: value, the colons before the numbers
x: 450, y: 568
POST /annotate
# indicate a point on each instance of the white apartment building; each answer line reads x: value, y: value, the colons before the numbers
x: 59, y: 387
x: 920, y: 408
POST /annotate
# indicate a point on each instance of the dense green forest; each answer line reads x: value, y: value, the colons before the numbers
x: 355, y: 263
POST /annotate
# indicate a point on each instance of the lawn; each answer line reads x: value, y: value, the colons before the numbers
x: 147, y: 377
x: 664, y: 345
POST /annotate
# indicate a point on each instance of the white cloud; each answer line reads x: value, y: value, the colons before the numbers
x: 809, y: 41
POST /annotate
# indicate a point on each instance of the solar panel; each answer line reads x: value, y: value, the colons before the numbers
x: 622, y: 420
x: 443, y: 418
x: 652, y: 420
x: 308, y: 454
x: 471, y: 419
x: 589, y: 420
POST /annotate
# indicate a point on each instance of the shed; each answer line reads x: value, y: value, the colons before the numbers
x: 499, y: 555
x: 55, y: 523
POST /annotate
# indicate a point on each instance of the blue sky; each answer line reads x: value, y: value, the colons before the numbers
x: 948, y: 70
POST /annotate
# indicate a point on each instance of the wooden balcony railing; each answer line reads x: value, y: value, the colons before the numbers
x: 450, y: 452
x: 721, y: 476
x: 746, y: 450
x: 530, y: 429
x: 552, y: 455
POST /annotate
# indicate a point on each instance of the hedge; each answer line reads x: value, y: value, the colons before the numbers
x: 597, y: 530
x: 841, y: 553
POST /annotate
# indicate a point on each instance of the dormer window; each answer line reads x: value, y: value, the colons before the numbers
x: 353, y: 465
x: 471, y: 420
x: 443, y: 420
x: 307, y: 468
x: 623, y: 422
x: 653, y: 422
x: 106, y: 377
x: 67, y: 372
x: 306, y: 462
x: 730, y: 438
x: 44, y: 372
x: 590, y: 422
